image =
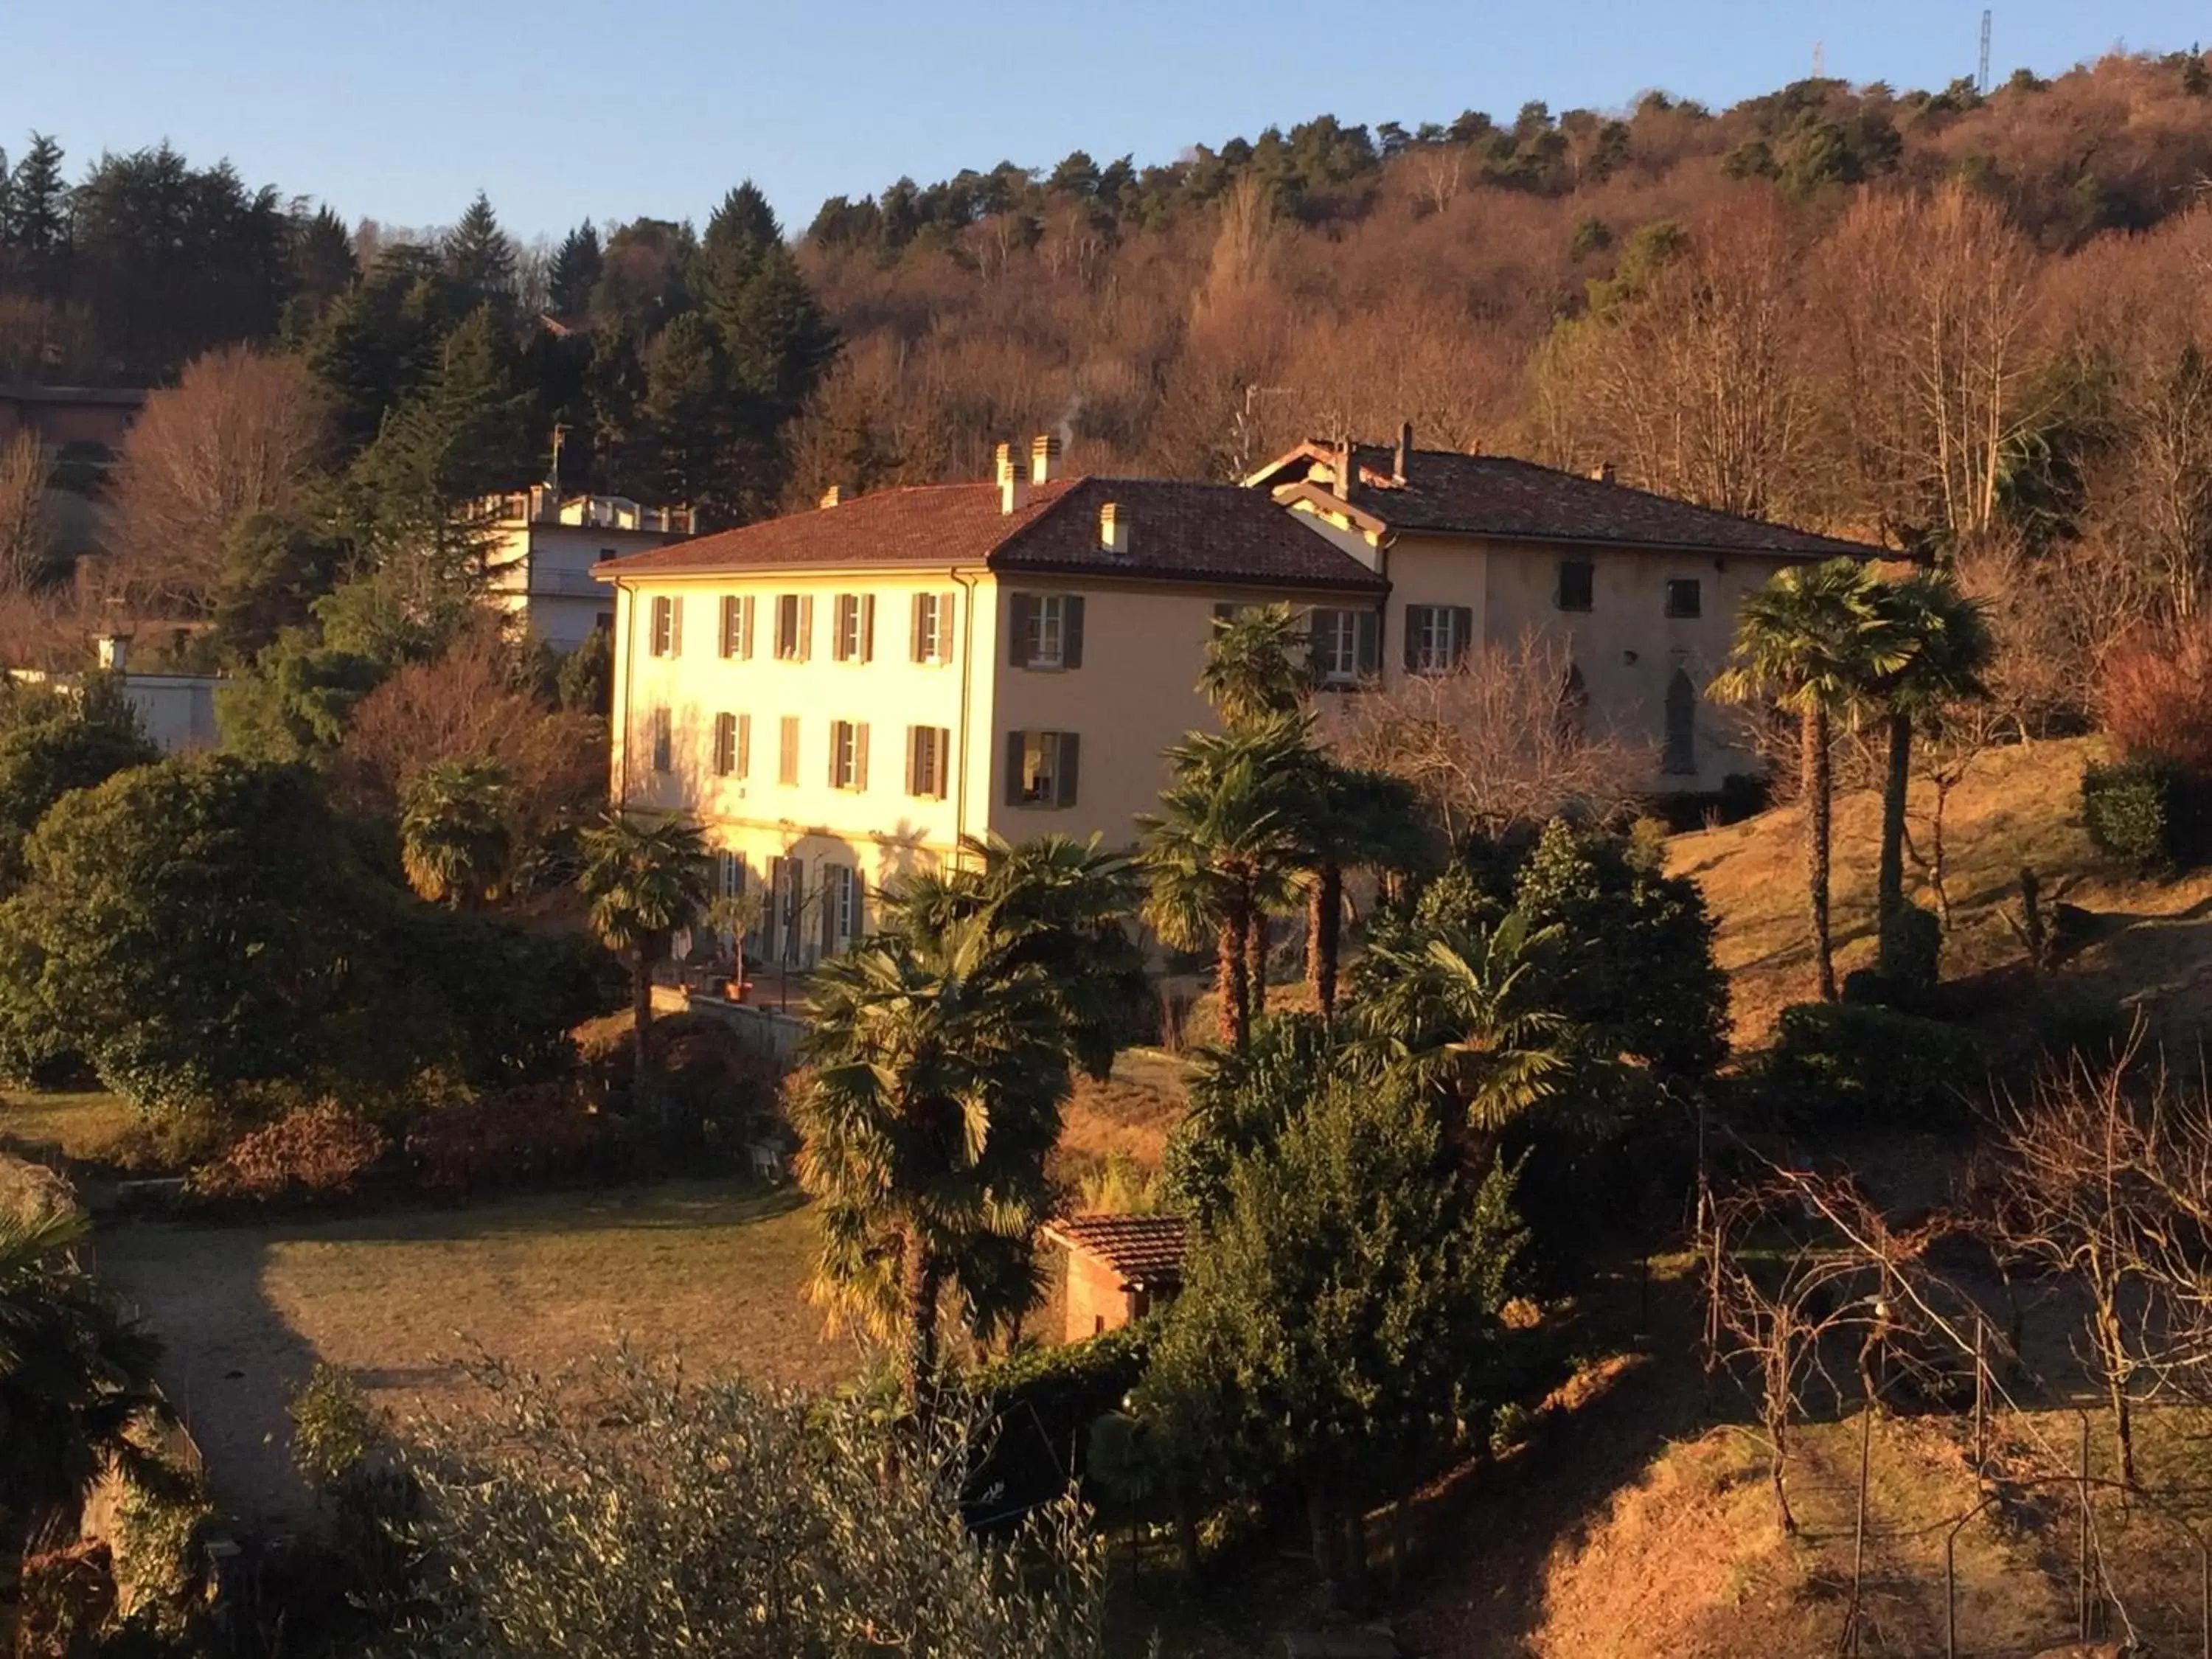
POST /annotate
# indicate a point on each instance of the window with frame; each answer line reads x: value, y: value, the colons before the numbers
x: 665, y: 636
x: 1041, y: 769
x: 1437, y: 637
x: 733, y: 745
x: 1684, y: 596
x: 737, y: 631
x: 1045, y: 631
x: 795, y: 626
x: 932, y: 627
x: 1577, y: 584
x: 853, y: 637
x: 663, y: 734
x: 1345, y: 646
x: 928, y: 750
x: 848, y: 755
x: 786, y: 759
x: 840, y: 908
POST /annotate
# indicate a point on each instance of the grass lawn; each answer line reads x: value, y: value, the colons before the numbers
x: 72, y: 1126
x: 2153, y: 943
x: 711, y: 1271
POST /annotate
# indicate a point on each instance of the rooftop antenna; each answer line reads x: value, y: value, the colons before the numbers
x: 1982, y: 79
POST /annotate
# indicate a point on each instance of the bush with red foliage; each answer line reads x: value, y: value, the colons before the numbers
x: 526, y: 1136
x: 2156, y: 696
x: 316, y: 1150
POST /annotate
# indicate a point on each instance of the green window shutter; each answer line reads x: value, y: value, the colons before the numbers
x: 1014, y: 768
x: 1019, y: 607
x: 1412, y: 645
x: 1071, y: 653
x: 1370, y: 627
x: 1462, y: 628
x: 1071, y: 749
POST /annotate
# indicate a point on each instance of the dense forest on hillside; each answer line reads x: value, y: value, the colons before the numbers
x: 1943, y: 319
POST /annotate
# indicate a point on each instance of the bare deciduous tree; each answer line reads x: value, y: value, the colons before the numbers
x: 1499, y: 741
x: 26, y: 523
x: 240, y: 434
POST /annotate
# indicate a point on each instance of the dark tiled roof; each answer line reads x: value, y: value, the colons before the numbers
x: 1204, y: 532
x: 1451, y: 493
x: 1145, y: 1250
x: 1196, y: 532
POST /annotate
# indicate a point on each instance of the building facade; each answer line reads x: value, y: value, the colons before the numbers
x: 1636, y: 594
x: 848, y: 695
x: 543, y: 548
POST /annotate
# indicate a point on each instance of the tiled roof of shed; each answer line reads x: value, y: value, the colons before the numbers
x: 1451, y: 493
x: 1145, y: 1250
x: 1215, y: 534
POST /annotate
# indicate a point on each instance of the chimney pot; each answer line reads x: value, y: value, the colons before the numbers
x: 1013, y: 486
x: 1113, y: 528
x: 1603, y: 472
x: 834, y: 495
x: 114, y: 652
x: 1405, y: 457
x: 1347, y: 461
x: 1044, y: 458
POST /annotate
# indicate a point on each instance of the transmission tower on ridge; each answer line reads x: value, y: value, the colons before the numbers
x: 1982, y: 78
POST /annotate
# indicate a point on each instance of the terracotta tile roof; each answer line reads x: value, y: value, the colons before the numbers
x: 1218, y: 534
x: 1145, y: 1250
x: 1451, y: 493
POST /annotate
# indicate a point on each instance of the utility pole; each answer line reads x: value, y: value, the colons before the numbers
x: 1982, y: 78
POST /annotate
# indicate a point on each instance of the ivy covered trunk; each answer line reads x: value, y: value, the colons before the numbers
x: 1324, y: 935
x: 1814, y: 763
x: 1231, y: 989
x: 1889, y: 897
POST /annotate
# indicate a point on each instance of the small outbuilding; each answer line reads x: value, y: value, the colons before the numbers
x: 1115, y: 1269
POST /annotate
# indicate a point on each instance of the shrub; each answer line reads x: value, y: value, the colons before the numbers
x: 318, y: 1149
x: 1840, y: 1066
x: 1043, y: 1402
x: 2140, y: 811
x: 539, y: 1132
x: 2154, y: 696
x: 1912, y: 968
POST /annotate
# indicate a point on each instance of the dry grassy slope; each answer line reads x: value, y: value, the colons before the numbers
x: 2019, y: 806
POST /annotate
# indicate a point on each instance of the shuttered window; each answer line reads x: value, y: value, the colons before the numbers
x: 1437, y: 637
x: 794, y: 627
x: 932, y: 634
x: 664, y: 742
x: 928, y: 750
x: 853, y: 637
x: 667, y: 626
x: 1044, y: 630
x: 1346, y: 647
x: 1041, y: 769
x: 848, y: 755
x: 737, y: 630
x: 786, y: 759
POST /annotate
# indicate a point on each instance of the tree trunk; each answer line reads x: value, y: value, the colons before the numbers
x: 1327, y: 1536
x: 1817, y: 784
x: 642, y: 1011
x: 922, y: 1280
x: 1255, y: 958
x: 1185, y: 1526
x: 1231, y: 989
x: 1889, y: 898
x: 1325, y: 936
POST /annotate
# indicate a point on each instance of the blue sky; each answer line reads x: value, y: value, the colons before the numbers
x: 401, y: 110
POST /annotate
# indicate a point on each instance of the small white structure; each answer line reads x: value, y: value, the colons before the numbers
x: 546, y: 547
x: 175, y: 711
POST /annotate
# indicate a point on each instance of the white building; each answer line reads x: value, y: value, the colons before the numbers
x: 545, y: 548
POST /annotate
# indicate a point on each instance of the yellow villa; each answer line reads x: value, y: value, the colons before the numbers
x: 844, y: 694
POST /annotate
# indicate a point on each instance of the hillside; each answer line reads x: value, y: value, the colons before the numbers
x: 2149, y: 943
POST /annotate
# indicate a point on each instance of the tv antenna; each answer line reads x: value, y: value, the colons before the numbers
x: 1982, y: 79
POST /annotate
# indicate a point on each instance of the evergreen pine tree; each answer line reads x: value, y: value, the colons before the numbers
x: 685, y: 436
x: 322, y: 260
x: 576, y: 271
x: 479, y: 258
x: 38, y: 212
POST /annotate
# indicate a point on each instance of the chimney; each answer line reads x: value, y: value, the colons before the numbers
x: 1044, y: 458
x: 834, y: 495
x: 1603, y: 472
x: 1400, y: 468
x: 1013, y: 488
x: 1345, y: 461
x: 1113, y: 528
x: 114, y: 652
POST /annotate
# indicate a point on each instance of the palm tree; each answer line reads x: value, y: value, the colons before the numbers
x: 643, y: 880
x: 1460, y: 1017
x: 1950, y: 644
x: 938, y: 1064
x: 75, y: 1378
x: 455, y: 842
x: 1060, y: 903
x: 1223, y: 850
x: 1256, y: 664
x: 1814, y: 640
x: 1351, y: 818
